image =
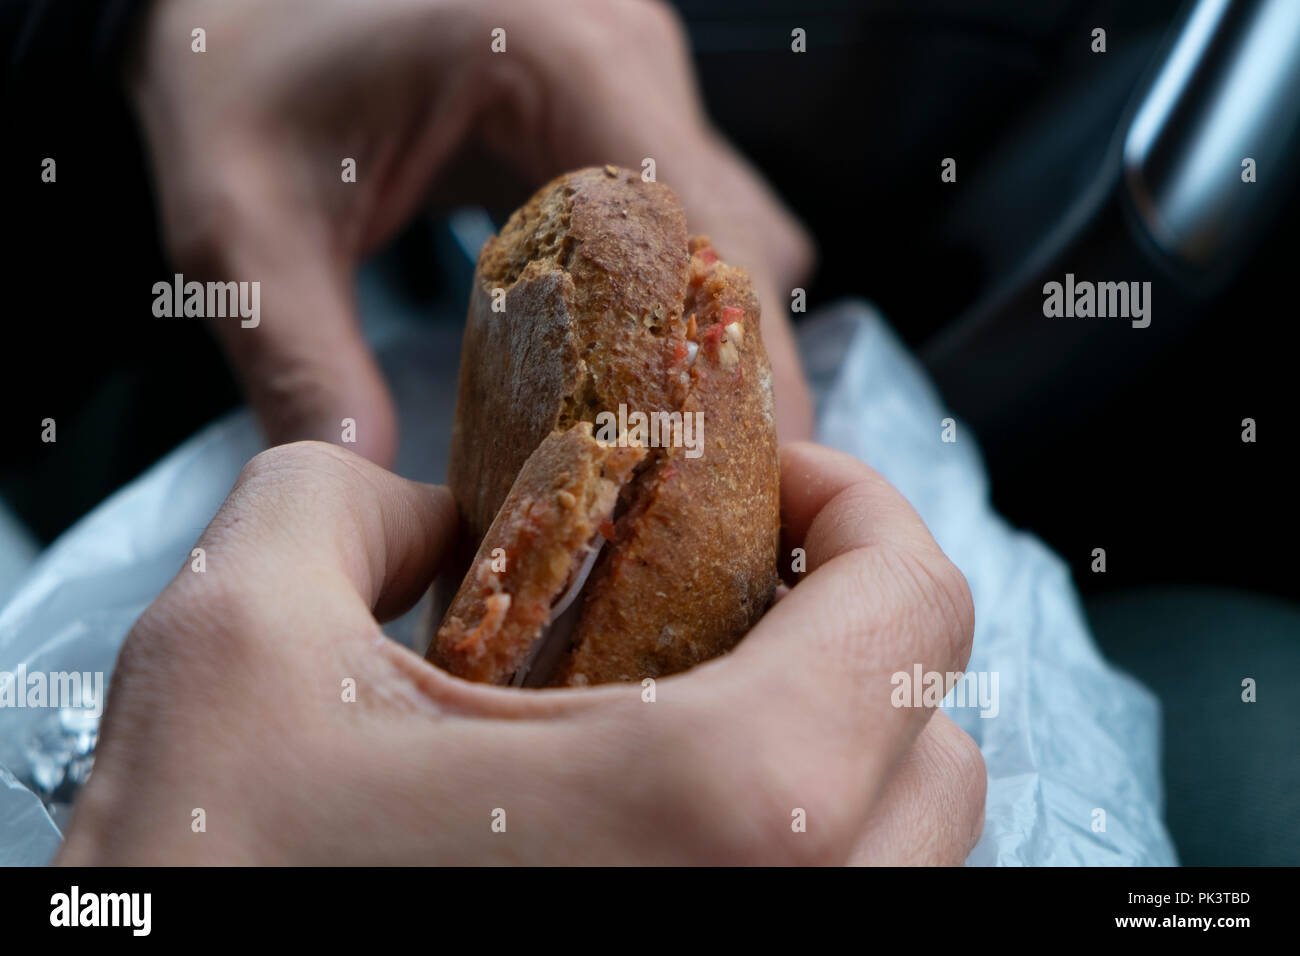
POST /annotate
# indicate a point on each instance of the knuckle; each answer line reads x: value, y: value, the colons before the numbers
x: 200, y: 222
x: 296, y: 485
x: 296, y: 392
x: 961, y: 764
x: 942, y: 592
x: 974, y: 776
x: 963, y: 604
x: 303, y: 458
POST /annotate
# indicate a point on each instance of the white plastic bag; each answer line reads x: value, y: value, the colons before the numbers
x: 1071, y: 735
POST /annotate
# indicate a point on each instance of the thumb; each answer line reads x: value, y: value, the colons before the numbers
x: 304, y: 516
x: 304, y: 364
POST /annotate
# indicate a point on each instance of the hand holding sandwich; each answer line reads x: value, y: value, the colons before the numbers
x: 231, y: 696
x: 248, y: 138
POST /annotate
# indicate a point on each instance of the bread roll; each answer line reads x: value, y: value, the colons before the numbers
x: 614, y: 445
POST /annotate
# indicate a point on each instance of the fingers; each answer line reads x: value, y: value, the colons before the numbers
x: 295, y: 340
x: 932, y: 810
x: 813, y: 689
x: 878, y: 596
x: 792, y: 395
x: 311, y: 518
x: 812, y: 478
x: 251, y: 658
x: 308, y: 371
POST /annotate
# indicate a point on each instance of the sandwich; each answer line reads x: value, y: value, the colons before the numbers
x: 613, y: 455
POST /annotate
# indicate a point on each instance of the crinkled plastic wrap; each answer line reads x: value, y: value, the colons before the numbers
x: 1074, y: 744
x: 1071, y: 736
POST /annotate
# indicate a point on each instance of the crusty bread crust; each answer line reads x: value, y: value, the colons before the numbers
x: 565, y: 492
x: 593, y: 269
x: 608, y: 302
x: 693, y: 565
